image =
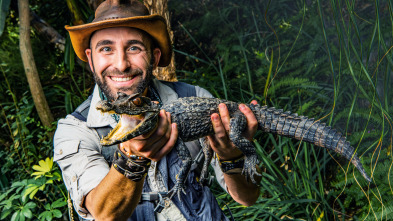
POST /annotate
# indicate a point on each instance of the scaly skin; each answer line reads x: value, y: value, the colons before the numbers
x: 192, y: 116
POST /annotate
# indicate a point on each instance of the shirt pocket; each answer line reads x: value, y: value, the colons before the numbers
x: 65, y: 154
x: 65, y: 149
x: 72, y: 163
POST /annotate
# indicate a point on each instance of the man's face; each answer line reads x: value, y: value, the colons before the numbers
x: 122, y: 60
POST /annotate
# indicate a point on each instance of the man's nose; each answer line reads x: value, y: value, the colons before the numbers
x: 122, y: 62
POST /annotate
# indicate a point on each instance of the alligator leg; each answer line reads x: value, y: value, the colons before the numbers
x: 237, y: 124
x: 185, y: 156
x: 208, y: 153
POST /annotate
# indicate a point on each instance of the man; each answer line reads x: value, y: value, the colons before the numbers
x: 123, y: 45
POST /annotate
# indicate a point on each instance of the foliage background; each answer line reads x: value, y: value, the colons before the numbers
x: 330, y: 60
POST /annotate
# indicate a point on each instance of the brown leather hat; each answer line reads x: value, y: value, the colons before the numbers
x: 122, y: 13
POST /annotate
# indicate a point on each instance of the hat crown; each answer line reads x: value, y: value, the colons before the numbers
x: 123, y: 13
x: 113, y: 9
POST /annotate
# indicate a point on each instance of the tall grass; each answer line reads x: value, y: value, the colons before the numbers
x: 330, y: 60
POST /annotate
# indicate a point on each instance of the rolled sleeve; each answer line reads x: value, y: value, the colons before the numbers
x: 202, y: 92
x: 78, y: 153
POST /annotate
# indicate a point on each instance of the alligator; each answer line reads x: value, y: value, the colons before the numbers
x: 192, y: 116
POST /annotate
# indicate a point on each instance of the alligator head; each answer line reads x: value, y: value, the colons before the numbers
x: 138, y: 115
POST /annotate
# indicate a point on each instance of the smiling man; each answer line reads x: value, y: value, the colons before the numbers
x: 123, y: 45
x: 119, y: 60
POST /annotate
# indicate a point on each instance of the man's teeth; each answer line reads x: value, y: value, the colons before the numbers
x: 121, y: 78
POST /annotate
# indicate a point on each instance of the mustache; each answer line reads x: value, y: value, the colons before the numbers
x: 130, y: 72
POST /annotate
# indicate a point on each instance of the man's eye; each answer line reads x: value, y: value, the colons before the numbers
x: 135, y: 49
x: 105, y: 49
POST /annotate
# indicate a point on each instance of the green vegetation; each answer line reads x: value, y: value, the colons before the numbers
x: 330, y: 60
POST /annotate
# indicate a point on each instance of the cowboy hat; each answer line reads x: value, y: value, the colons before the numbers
x: 122, y: 13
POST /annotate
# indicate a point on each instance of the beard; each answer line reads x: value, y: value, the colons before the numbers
x: 133, y: 89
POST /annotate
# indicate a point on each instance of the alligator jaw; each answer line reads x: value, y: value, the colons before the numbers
x: 129, y: 126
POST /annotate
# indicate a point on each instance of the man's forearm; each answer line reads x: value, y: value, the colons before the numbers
x: 115, y: 198
x: 241, y: 190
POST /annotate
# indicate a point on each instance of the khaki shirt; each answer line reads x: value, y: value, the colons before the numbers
x: 77, y: 149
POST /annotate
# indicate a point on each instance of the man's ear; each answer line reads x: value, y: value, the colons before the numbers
x: 157, y: 56
x: 88, y: 55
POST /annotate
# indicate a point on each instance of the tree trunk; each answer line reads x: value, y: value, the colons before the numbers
x: 93, y: 4
x: 29, y: 64
x: 161, y: 7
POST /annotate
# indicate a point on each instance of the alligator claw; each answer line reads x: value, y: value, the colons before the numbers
x: 177, y: 189
x: 250, y: 169
x: 203, y: 180
x: 204, y: 176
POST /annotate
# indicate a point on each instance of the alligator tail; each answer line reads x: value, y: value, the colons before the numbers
x: 302, y: 128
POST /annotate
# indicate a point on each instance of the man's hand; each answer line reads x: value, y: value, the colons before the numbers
x: 242, y: 191
x: 220, y: 142
x: 155, y: 144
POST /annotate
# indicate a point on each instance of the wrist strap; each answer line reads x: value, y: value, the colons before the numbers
x: 232, y: 166
x: 134, y: 168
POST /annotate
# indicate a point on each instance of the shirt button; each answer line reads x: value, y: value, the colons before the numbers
x: 61, y: 151
x: 73, y: 178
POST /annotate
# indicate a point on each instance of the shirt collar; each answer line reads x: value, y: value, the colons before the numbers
x: 95, y: 118
x: 166, y: 93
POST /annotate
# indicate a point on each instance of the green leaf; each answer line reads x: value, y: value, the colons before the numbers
x: 57, y: 175
x: 19, y: 183
x: 8, y: 203
x: 59, y: 203
x: 2, y: 196
x: 49, y: 216
x: 15, y: 216
x: 43, y: 167
x: 31, y: 191
x: 24, y: 199
x: 4, y: 6
x: 57, y: 213
x: 30, y: 205
x: 26, y: 212
x: 47, y: 206
x: 43, y: 215
x: 5, y: 213
x: 42, y: 187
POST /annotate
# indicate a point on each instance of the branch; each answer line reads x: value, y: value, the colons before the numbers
x: 47, y: 31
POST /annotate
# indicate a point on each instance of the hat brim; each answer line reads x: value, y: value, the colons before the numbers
x: 154, y: 25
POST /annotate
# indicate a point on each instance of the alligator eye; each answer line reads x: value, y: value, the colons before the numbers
x: 137, y: 101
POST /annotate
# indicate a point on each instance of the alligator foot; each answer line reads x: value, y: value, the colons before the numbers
x: 177, y: 189
x: 185, y: 156
x: 208, y: 154
x: 204, y: 179
x: 250, y: 168
x: 237, y: 124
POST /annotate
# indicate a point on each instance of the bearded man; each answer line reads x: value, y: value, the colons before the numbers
x: 123, y: 45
